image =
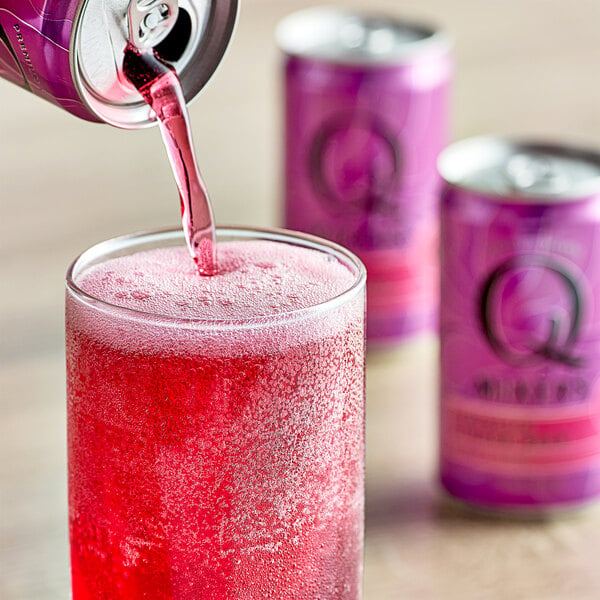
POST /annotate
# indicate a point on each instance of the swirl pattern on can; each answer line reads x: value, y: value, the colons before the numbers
x: 35, y: 41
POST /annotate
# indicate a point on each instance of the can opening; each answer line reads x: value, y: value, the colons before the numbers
x: 193, y: 43
x: 173, y: 46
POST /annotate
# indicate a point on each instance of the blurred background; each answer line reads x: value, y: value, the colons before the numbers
x: 524, y: 67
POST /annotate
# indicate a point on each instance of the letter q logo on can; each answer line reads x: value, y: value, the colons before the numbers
x: 531, y: 309
x: 354, y: 164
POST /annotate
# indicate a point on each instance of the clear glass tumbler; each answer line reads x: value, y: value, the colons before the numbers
x: 217, y: 457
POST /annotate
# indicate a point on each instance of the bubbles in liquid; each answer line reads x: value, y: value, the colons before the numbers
x: 230, y: 470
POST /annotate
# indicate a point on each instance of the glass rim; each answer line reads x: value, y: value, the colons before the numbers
x: 110, y: 246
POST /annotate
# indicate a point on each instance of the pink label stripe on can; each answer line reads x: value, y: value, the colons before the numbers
x: 521, y: 439
x: 404, y: 278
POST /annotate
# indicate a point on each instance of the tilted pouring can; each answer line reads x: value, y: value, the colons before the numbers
x: 520, y: 325
x: 70, y: 52
x: 367, y: 113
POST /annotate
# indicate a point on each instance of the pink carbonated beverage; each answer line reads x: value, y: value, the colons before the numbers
x: 216, y: 446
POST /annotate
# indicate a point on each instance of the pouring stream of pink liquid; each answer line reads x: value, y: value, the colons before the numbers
x: 159, y: 85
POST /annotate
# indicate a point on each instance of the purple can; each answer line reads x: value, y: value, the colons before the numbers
x: 70, y: 52
x: 520, y: 325
x: 367, y: 110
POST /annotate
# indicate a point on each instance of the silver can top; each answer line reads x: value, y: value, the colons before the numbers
x: 344, y: 37
x: 192, y: 35
x: 528, y: 172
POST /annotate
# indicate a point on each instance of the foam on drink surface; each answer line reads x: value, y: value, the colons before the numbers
x: 232, y: 468
x: 255, y: 279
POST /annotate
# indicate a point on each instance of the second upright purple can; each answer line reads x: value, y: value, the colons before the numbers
x: 367, y: 111
x: 520, y: 326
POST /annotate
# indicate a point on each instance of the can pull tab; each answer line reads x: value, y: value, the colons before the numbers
x: 537, y: 174
x: 150, y: 21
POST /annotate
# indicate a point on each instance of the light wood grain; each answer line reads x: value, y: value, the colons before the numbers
x: 526, y: 67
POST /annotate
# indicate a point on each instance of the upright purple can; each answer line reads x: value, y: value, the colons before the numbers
x: 520, y: 325
x: 70, y: 52
x: 367, y: 111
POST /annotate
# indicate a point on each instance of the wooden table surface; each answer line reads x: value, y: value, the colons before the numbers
x: 527, y: 67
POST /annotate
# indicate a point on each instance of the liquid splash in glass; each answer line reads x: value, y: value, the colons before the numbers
x: 159, y: 85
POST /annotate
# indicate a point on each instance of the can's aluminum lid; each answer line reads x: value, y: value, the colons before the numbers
x: 345, y: 37
x: 194, y: 46
x: 526, y: 171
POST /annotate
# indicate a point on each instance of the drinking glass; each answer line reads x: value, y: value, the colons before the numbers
x: 216, y: 458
